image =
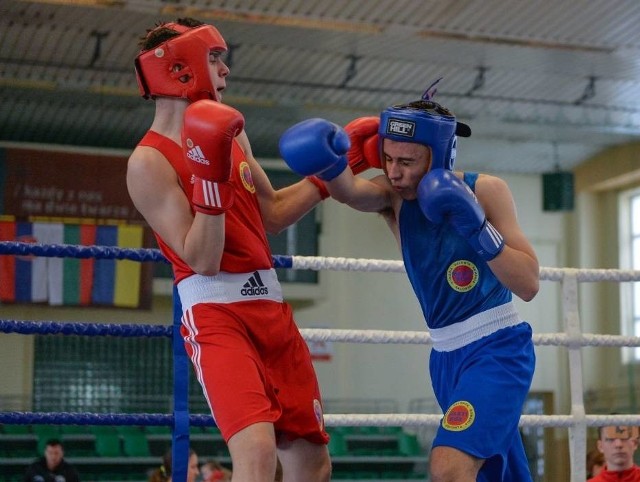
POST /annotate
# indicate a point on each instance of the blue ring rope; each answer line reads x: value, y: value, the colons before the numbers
x: 102, y: 252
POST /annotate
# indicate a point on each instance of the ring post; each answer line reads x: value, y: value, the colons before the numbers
x: 577, y: 430
x: 180, y: 446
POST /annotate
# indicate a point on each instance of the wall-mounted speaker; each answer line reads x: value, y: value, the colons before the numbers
x: 557, y: 191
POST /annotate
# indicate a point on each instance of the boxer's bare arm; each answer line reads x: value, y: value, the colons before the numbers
x: 169, y: 214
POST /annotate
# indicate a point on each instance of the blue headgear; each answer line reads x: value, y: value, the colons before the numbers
x: 424, y: 122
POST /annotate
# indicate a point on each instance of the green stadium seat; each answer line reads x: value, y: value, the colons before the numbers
x: 102, y: 429
x: 135, y: 445
x: 409, y: 445
x: 123, y: 429
x: 342, y: 475
x: 366, y: 475
x: 212, y: 430
x: 367, y: 430
x: 157, y: 429
x: 394, y: 475
x: 14, y: 450
x: 338, y: 444
x: 52, y: 431
x: 108, y: 445
x: 16, y: 429
x: 391, y: 430
x: 44, y: 433
x: 74, y: 429
x: 345, y: 430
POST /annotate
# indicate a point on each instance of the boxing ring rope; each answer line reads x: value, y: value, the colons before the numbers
x: 573, y: 339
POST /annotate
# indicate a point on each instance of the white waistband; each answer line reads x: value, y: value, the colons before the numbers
x: 472, y: 329
x: 225, y: 287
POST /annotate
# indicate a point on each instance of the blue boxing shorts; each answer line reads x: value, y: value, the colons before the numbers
x: 481, y: 389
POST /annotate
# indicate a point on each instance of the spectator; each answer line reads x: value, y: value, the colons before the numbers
x: 52, y: 467
x: 213, y: 471
x: 618, y: 444
x: 163, y: 473
x: 595, y: 462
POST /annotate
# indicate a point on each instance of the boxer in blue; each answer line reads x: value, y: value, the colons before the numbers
x: 465, y: 255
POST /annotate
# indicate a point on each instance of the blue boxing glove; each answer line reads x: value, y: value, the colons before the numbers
x: 445, y: 198
x: 315, y: 147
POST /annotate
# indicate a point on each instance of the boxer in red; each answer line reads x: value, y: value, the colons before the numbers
x: 194, y: 179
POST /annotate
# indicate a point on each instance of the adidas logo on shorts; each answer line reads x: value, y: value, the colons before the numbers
x: 196, y: 155
x: 254, y: 286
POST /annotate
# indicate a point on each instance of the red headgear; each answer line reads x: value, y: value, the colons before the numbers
x: 179, y: 67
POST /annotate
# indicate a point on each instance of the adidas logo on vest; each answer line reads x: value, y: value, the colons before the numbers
x: 196, y: 155
x: 254, y: 286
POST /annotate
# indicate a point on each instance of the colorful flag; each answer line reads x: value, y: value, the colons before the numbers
x: 7, y: 264
x: 71, y: 281
x: 78, y: 273
x: 117, y: 282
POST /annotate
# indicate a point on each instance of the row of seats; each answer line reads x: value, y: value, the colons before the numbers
x: 377, y: 475
x: 356, y: 442
x: 103, y: 445
x: 84, y: 440
x: 57, y: 430
x: 134, y: 441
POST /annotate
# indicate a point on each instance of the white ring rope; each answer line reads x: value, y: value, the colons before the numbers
x: 319, y: 263
x: 573, y: 339
x: 424, y: 338
x: 433, y: 420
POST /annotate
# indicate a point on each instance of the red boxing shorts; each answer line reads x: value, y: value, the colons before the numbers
x: 254, y: 366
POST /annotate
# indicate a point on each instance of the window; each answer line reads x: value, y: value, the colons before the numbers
x: 300, y: 239
x: 102, y: 374
x: 630, y: 259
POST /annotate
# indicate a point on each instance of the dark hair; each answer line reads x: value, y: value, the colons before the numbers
x: 163, y: 473
x: 161, y: 33
x: 427, y: 105
x: 53, y: 442
x: 594, y: 457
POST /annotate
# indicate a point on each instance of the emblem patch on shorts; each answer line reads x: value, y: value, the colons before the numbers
x: 460, y: 416
x: 317, y: 409
x: 462, y: 275
x: 245, y: 175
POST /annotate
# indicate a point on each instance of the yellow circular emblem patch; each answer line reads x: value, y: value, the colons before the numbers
x: 245, y: 175
x: 459, y: 417
x: 462, y: 275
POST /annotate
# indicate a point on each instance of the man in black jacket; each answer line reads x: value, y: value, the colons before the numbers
x: 52, y: 467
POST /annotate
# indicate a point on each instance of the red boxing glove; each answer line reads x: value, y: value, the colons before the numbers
x: 207, y: 136
x: 364, y: 152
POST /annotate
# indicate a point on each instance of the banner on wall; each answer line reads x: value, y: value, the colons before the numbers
x: 78, y: 198
x: 64, y: 185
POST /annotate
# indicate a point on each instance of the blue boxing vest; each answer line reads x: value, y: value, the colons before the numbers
x: 452, y: 282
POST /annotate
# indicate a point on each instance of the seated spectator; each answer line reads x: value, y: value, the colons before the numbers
x: 595, y: 462
x: 52, y: 467
x: 163, y: 473
x: 213, y: 471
